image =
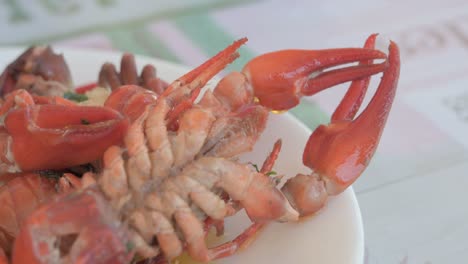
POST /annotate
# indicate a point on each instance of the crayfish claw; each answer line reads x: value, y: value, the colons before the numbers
x: 279, y: 79
x: 352, y: 101
x: 64, y: 133
x: 340, y: 151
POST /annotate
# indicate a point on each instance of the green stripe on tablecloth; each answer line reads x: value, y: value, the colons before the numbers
x: 140, y: 41
x: 310, y: 114
x: 123, y: 40
x: 20, y: 15
x: 153, y: 45
x: 211, y: 38
x: 64, y: 8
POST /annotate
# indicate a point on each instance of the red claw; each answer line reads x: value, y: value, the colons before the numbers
x: 342, y: 150
x: 352, y: 101
x: 66, y: 135
x: 281, y: 78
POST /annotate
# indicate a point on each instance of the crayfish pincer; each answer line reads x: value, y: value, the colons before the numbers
x: 178, y: 172
x: 40, y: 133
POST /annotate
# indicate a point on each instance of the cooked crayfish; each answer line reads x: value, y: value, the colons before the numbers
x: 178, y: 166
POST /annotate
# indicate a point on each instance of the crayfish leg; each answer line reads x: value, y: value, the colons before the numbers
x: 243, y: 240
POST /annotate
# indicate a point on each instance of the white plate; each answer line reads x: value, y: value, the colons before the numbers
x: 334, y: 236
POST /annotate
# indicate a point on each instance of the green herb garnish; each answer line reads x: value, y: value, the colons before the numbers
x: 130, y: 246
x: 255, y: 166
x: 270, y: 173
x: 85, y: 122
x: 75, y: 97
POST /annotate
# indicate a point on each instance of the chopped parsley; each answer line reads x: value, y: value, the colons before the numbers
x: 270, y: 173
x: 255, y: 166
x: 75, y: 97
x: 129, y: 246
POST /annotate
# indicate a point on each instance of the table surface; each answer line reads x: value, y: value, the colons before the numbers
x: 411, y: 195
